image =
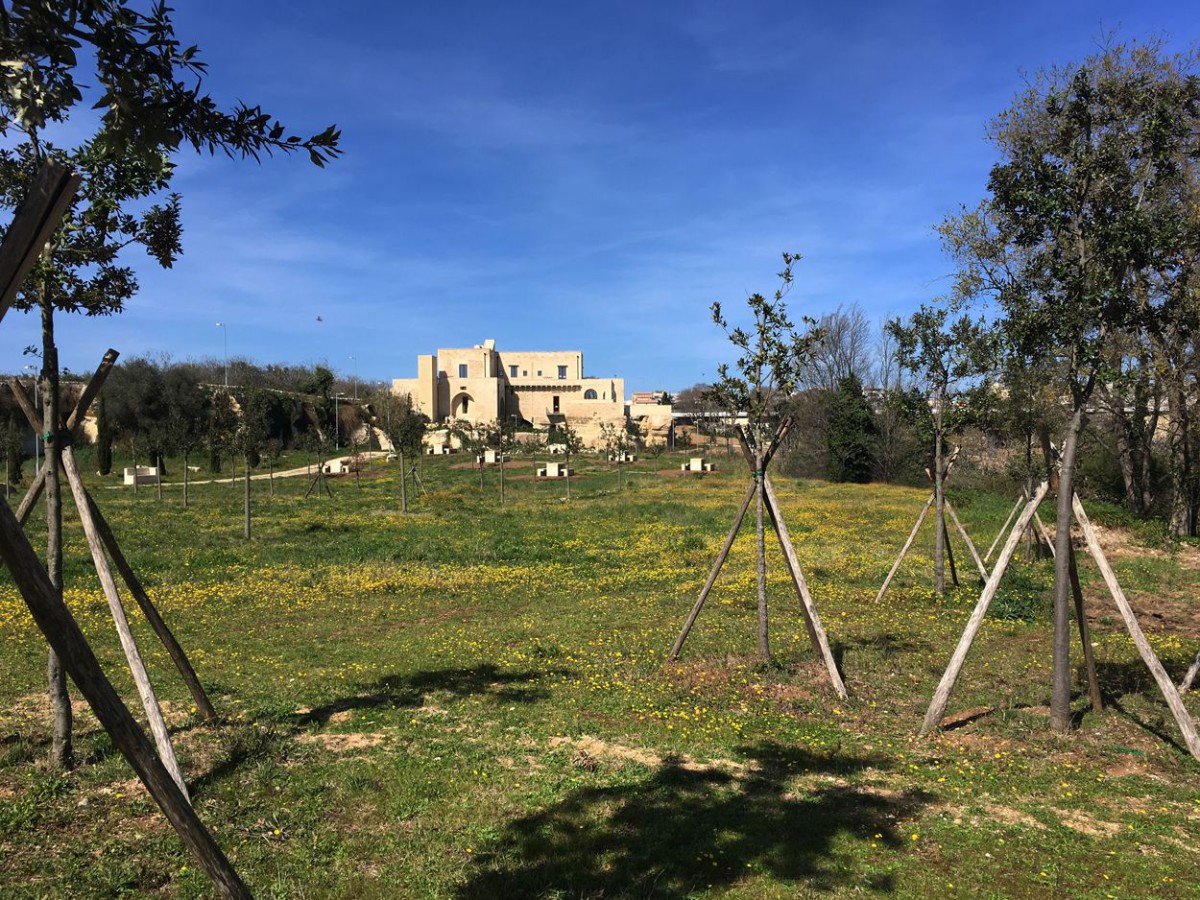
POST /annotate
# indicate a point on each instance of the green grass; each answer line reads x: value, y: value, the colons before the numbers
x: 473, y: 701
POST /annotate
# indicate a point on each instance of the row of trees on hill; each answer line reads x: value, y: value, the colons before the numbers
x: 152, y: 409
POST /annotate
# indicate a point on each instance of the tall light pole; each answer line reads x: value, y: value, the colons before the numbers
x: 225, y: 333
x: 355, y: 363
x: 337, y: 422
x: 37, y: 459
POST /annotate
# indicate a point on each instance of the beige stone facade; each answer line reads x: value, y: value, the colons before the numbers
x: 538, y: 388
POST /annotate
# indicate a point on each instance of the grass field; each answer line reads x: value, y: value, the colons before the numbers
x: 473, y: 700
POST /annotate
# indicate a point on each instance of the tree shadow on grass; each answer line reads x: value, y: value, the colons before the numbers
x: 402, y: 691
x: 685, y: 829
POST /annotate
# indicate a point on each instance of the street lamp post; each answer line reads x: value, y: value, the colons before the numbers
x: 225, y: 334
x: 355, y: 363
x: 337, y: 422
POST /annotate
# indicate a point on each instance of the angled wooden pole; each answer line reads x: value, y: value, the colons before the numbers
x: 54, y: 620
x: 1089, y: 658
x: 946, y: 545
x: 34, y: 221
x: 1182, y: 717
x: 203, y: 705
x: 967, y: 539
x: 1004, y: 528
x: 1186, y: 684
x: 937, y: 706
x: 1044, y: 533
x: 912, y: 536
x: 811, y: 617
x: 716, y: 569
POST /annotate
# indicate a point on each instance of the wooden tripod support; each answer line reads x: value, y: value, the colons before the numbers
x: 941, y: 696
x: 85, y: 507
x: 958, y: 526
x: 36, y: 218
x: 762, y: 485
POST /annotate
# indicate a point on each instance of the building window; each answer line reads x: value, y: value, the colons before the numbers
x: 539, y: 373
x: 524, y: 373
x: 589, y: 394
x: 512, y: 371
x: 562, y: 373
x: 556, y: 403
x: 462, y: 370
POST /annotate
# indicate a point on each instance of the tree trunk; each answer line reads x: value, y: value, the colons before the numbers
x: 403, y: 484
x: 939, y: 507
x: 185, y: 479
x: 246, y: 524
x: 764, y: 647
x: 1183, y: 519
x: 1125, y: 453
x: 158, y: 474
x: 1060, y: 691
x: 502, y: 477
x: 62, y: 751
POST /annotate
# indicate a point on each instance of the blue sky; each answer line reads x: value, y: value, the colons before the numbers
x: 592, y: 176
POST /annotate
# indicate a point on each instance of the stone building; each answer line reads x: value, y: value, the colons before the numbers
x: 537, y: 388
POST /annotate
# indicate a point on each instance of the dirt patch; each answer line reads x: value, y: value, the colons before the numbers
x: 1124, y: 770
x: 967, y: 715
x: 590, y: 748
x: 1085, y: 824
x: 1010, y: 816
x: 343, y: 743
x: 1154, y: 613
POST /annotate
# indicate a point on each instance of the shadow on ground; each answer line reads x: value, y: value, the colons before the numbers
x: 398, y: 691
x: 683, y: 830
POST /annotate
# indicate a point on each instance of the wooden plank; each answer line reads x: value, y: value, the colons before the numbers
x: 812, y: 617
x: 912, y: 536
x: 967, y: 539
x: 54, y: 620
x: 1182, y: 717
x: 141, y: 679
x: 34, y: 221
x: 941, y: 697
x: 716, y: 568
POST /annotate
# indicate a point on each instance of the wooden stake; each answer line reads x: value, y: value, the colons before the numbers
x: 63, y: 634
x: 949, y: 550
x: 1186, y: 726
x: 941, y: 697
x: 967, y: 539
x: 716, y: 568
x: 1085, y: 638
x: 1004, y: 528
x: 904, y: 550
x: 203, y: 706
x: 137, y: 668
x: 1044, y: 533
x: 811, y: 618
x: 1186, y: 684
